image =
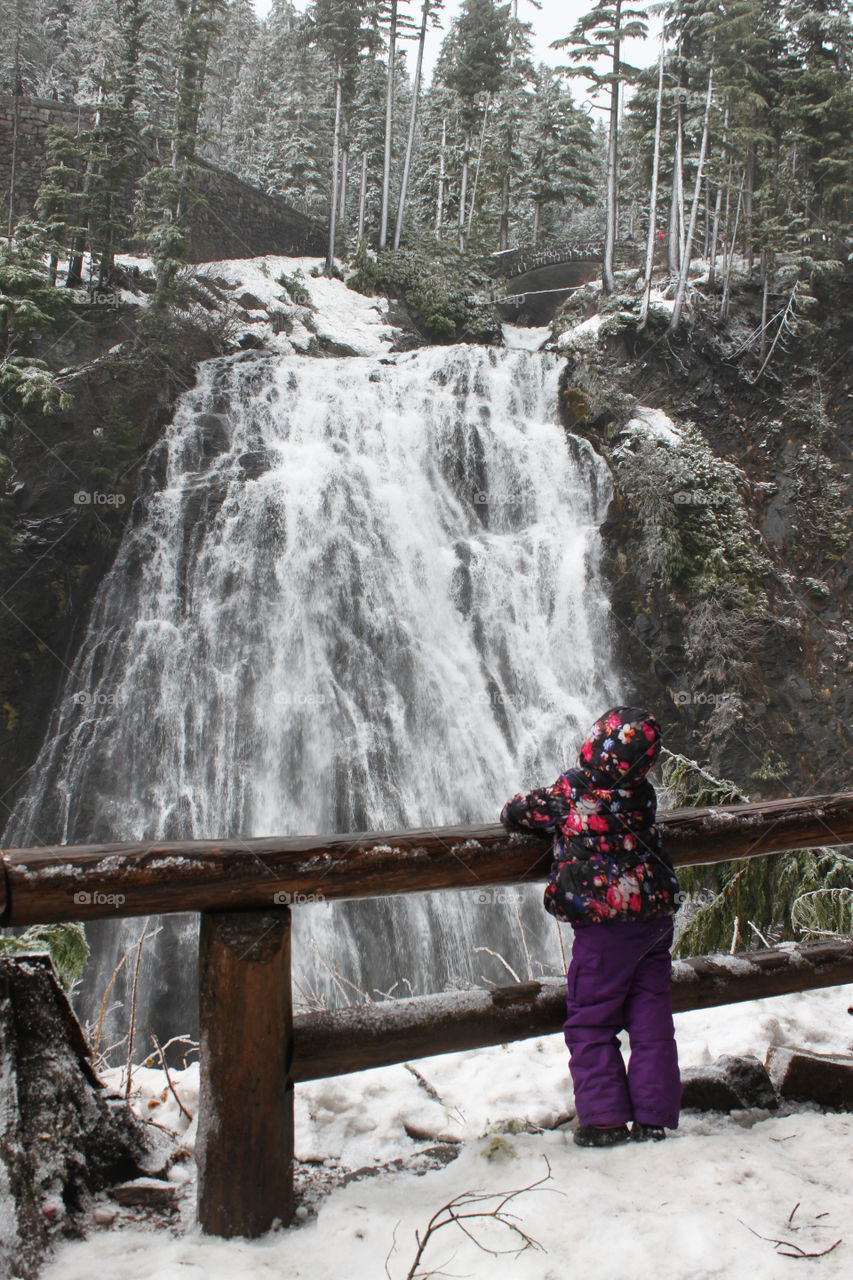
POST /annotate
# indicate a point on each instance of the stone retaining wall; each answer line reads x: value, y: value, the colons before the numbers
x: 235, y: 220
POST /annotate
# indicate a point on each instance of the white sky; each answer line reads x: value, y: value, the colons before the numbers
x: 554, y: 20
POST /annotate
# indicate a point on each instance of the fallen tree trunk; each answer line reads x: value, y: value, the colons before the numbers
x: 87, y: 882
x: 376, y: 1035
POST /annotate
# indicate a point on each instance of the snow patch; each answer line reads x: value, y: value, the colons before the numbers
x: 585, y: 332
x: 660, y: 303
x: 681, y: 1208
x: 338, y: 314
x: 654, y: 422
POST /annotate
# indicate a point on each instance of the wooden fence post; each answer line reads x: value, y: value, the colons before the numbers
x: 244, y: 1147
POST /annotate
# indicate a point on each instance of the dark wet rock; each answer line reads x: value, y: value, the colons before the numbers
x: 147, y: 1193
x: 250, y: 342
x: 729, y: 1084
x: 824, y: 1078
x: 249, y: 302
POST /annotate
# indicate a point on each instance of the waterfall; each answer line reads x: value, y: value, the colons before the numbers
x: 355, y: 594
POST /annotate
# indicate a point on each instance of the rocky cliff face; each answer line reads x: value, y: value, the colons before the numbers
x: 70, y: 486
x: 728, y: 537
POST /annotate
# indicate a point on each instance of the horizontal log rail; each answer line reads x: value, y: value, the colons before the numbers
x: 245, y: 889
x: 86, y: 882
x: 335, y: 1042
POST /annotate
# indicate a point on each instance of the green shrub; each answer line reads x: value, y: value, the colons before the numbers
x: 445, y: 290
x: 296, y: 290
x: 66, y: 944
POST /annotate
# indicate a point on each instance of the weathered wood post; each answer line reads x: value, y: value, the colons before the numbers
x: 244, y: 1147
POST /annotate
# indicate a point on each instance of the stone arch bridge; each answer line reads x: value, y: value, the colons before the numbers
x: 539, y: 279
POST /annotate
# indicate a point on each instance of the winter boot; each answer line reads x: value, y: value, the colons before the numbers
x: 647, y: 1132
x: 590, y: 1135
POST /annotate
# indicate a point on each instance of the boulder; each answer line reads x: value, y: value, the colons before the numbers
x: 729, y: 1084
x: 249, y: 302
x: 824, y: 1078
x: 149, y: 1193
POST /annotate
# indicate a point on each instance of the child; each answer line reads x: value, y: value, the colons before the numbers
x: 612, y: 882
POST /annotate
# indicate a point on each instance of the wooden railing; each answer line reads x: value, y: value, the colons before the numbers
x: 252, y: 1047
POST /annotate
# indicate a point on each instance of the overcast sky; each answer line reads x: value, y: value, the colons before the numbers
x: 554, y: 20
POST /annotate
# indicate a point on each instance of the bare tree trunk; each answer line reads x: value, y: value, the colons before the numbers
x: 537, y: 214
x: 724, y: 303
x: 673, y: 256
x: 389, y: 120
x: 653, y: 200
x: 477, y: 170
x: 765, y: 278
x: 679, y: 150
x: 362, y: 199
x: 508, y: 141
x: 439, y: 208
x: 413, y: 116
x: 715, y: 237
x: 463, y: 190
x: 504, y: 219
x: 715, y: 229
x: 694, y: 208
x: 342, y: 202
x: 14, y: 170
x: 748, y: 192
x: 727, y: 218
x: 607, y: 280
x: 333, y: 202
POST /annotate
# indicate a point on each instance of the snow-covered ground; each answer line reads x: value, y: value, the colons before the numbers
x: 654, y: 422
x: 337, y: 314
x: 711, y: 1201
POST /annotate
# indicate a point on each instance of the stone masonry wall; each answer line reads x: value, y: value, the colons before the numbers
x: 234, y: 221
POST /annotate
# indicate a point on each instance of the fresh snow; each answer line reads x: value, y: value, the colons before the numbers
x: 657, y: 299
x: 654, y: 422
x: 338, y: 314
x: 586, y: 331
x: 710, y: 1202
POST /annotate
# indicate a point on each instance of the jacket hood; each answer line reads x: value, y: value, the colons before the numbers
x: 623, y: 744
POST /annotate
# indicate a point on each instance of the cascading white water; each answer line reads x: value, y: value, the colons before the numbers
x: 358, y: 595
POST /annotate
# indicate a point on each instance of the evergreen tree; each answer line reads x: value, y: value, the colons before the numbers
x: 229, y: 53
x: 516, y: 102
x: 37, y: 48
x: 599, y: 35
x: 755, y: 899
x: 429, y: 14
x: 169, y: 191
x: 821, y: 94
x: 342, y: 30
x: 32, y: 309
x: 558, y: 142
x: 472, y: 65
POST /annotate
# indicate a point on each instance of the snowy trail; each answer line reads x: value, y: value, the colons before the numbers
x: 695, y: 1206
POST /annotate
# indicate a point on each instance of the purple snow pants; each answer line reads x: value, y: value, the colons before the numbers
x: 618, y: 980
